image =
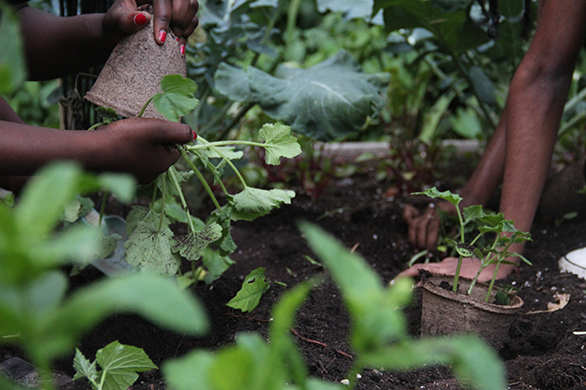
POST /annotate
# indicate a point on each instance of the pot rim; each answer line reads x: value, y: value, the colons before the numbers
x: 431, y: 286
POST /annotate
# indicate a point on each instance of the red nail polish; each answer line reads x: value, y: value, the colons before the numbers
x: 177, y: 39
x: 182, y: 49
x: 194, y: 135
x: 162, y: 36
x: 140, y: 19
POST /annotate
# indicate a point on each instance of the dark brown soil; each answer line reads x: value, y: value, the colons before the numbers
x: 541, y: 353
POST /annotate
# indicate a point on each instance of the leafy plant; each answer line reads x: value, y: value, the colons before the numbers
x: 497, y: 252
x: 379, y: 338
x: 37, y: 312
x: 151, y: 245
x: 119, y: 363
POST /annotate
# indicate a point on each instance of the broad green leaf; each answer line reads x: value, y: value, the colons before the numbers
x: 454, y: 199
x: 45, y: 198
x: 12, y: 62
x: 120, y: 363
x: 215, y: 264
x: 193, y: 245
x: 473, y: 213
x: 466, y: 124
x: 483, y: 85
x: 252, y: 290
x: 327, y: 101
x: 233, y: 369
x: 177, y: 98
x: 149, y: 246
x: 374, y: 309
x: 121, y: 185
x: 83, y: 367
x: 189, y: 372
x: 232, y: 82
x: 278, y: 143
x: 351, y: 8
x: 155, y: 298
x: 252, y: 202
x: 474, y: 362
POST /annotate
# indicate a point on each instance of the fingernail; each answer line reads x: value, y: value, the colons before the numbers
x: 162, y: 36
x: 194, y: 135
x: 140, y: 19
x: 177, y: 39
x: 182, y: 48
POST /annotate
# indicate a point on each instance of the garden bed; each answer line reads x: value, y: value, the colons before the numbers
x: 541, y: 353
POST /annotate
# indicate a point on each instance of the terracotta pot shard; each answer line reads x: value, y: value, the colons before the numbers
x: 133, y: 73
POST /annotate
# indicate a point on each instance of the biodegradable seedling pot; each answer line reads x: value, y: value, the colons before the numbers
x: 447, y: 312
x: 133, y: 73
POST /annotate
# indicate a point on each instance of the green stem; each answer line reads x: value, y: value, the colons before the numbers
x: 496, y: 269
x: 143, y: 109
x: 460, y: 258
x: 163, y: 200
x: 207, y: 145
x: 200, y: 177
x: 96, y: 126
x: 102, y: 210
x: 173, y: 177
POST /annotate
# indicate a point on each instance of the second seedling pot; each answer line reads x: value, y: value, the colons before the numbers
x: 445, y: 312
x: 133, y: 73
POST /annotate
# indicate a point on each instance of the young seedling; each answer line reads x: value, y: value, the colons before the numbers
x: 151, y: 244
x: 497, y: 252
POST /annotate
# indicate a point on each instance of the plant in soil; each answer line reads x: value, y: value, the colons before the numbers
x: 494, y: 252
x: 379, y: 337
x: 37, y: 313
x: 152, y: 246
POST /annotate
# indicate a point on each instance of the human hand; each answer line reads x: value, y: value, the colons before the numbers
x: 143, y: 147
x: 469, y: 269
x: 124, y: 18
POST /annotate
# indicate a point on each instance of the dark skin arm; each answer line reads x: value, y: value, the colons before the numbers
x: 57, y: 46
x: 531, y: 121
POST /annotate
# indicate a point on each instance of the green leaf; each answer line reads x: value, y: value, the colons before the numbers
x: 193, y: 245
x: 352, y: 9
x: 108, y: 114
x: 472, y: 213
x: 373, y: 308
x: 454, y: 199
x: 466, y: 124
x: 177, y: 98
x: 12, y: 62
x: 278, y: 143
x: 252, y: 202
x: 215, y: 264
x: 429, y: 132
x: 327, y: 101
x: 189, y: 372
x: 253, y: 288
x: 83, y: 367
x: 149, y: 245
x: 120, y: 363
x: 483, y: 85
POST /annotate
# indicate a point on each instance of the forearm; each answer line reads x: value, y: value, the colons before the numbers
x: 488, y: 175
x: 24, y: 148
x: 56, y: 46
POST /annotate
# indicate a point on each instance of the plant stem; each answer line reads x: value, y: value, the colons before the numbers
x: 102, y: 210
x: 96, y: 126
x: 492, y: 282
x: 143, y: 109
x: 200, y: 177
x: 173, y: 178
x: 460, y: 258
x: 207, y: 145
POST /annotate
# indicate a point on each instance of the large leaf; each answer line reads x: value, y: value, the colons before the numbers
x: 120, y: 364
x: 252, y: 202
x: 253, y: 288
x: 177, y: 98
x: 454, y: 30
x: 279, y: 143
x: 351, y: 8
x: 327, y: 101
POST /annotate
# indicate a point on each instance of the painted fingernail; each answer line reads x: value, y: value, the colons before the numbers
x: 182, y: 48
x: 140, y: 19
x: 194, y: 135
x: 162, y: 36
x: 177, y: 39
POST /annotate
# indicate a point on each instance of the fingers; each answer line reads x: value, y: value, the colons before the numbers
x: 423, y: 230
x: 177, y: 15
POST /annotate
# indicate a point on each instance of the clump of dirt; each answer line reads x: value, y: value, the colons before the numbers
x: 541, y: 353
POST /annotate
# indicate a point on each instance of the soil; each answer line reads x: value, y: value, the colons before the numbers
x: 541, y: 353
